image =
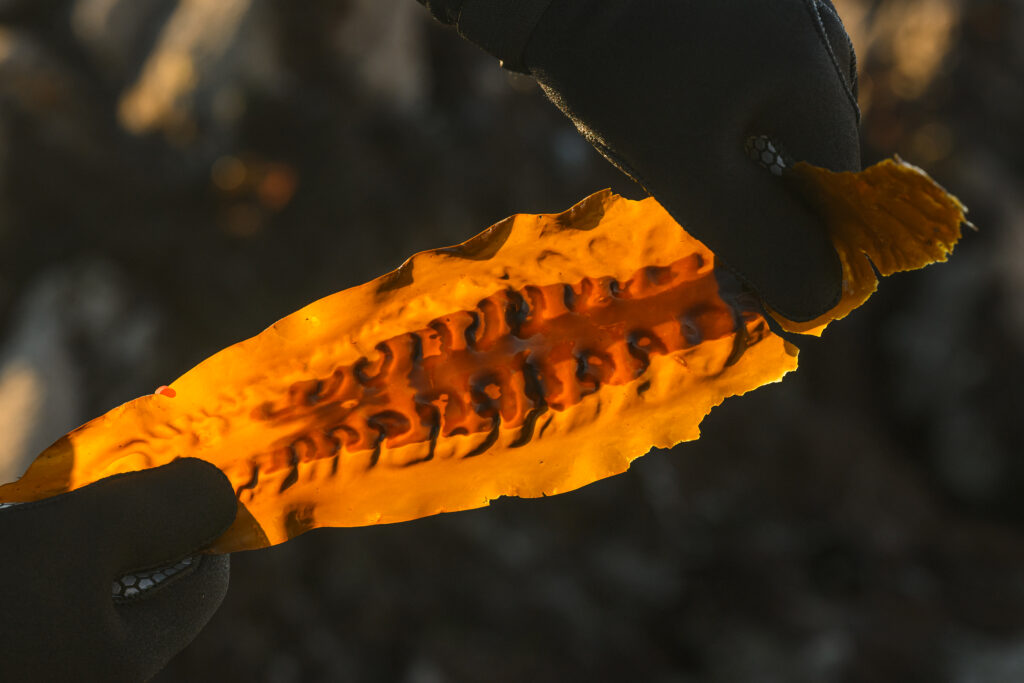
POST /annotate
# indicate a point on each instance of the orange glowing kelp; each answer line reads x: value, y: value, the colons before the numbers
x: 544, y: 354
x: 890, y: 215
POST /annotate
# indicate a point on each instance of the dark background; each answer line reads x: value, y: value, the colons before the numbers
x: 176, y: 175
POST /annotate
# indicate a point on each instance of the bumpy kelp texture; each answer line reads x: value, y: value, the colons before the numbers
x: 543, y: 354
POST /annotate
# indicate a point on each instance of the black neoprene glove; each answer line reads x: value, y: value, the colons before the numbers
x: 675, y: 93
x: 63, y: 561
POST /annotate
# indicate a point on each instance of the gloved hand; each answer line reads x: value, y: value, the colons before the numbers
x: 673, y: 92
x: 60, y: 557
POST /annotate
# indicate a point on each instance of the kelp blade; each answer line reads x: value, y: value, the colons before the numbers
x: 541, y: 355
x: 544, y: 354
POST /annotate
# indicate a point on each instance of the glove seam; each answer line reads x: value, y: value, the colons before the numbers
x: 853, y: 54
x: 815, y: 10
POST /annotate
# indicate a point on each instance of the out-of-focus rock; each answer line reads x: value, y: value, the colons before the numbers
x: 917, y: 36
x: 982, y: 660
x: 4, y: 206
x: 991, y: 179
x: 41, y: 87
x: 117, y: 33
x: 13, y: 9
x: 945, y: 374
x: 40, y: 387
x: 939, y: 330
x: 385, y: 43
x: 71, y: 324
x: 195, y: 77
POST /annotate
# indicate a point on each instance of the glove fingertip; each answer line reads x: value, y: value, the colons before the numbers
x: 156, y: 516
x: 209, y: 488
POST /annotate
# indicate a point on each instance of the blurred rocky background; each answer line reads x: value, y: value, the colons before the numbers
x: 177, y: 174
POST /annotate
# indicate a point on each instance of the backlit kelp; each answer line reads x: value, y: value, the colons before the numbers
x: 543, y: 354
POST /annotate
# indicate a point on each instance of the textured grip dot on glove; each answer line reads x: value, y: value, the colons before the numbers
x: 765, y: 153
x: 136, y: 584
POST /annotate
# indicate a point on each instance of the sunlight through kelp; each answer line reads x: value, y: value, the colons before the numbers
x: 891, y: 216
x: 544, y: 354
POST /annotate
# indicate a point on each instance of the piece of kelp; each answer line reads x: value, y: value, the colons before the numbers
x: 541, y: 355
x: 891, y: 215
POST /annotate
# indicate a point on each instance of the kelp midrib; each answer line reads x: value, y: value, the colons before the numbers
x: 502, y: 365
